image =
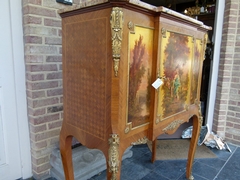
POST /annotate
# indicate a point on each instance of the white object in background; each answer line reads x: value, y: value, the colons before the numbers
x: 15, y: 154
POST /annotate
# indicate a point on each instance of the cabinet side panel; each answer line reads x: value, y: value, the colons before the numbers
x: 86, y: 73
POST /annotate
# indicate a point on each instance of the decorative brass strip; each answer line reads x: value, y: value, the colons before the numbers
x: 132, y: 128
x: 172, y: 125
x: 113, y: 154
x: 198, y: 103
x: 205, y: 45
x: 164, y: 31
x: 163, y: 119
x: 143, y: 140
x: 116, y: 22
x: 200, y: 113
x: 158, y: 119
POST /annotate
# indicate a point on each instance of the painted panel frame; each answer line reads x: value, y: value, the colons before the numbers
x: 140, y: 55
x: 175, y: 72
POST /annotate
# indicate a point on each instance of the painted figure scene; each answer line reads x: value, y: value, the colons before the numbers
x: 176, y: 64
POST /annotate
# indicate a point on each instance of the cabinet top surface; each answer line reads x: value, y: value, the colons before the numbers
x: 134, y: 3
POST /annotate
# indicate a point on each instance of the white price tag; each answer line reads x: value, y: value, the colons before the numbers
x: 157, y: 83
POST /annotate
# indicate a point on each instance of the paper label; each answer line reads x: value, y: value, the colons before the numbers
x: 157, y: 83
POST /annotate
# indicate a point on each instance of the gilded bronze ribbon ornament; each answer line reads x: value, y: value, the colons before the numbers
x: 143, y: 140
x: 116, y: 22
x: 113, y: 154
x: 172, y: 125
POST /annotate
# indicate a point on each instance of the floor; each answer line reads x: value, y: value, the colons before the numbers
x: 225, y: 167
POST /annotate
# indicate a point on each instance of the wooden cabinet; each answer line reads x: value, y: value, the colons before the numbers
x: 112, y: 52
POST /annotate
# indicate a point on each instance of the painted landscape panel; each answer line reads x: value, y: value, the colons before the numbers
x: 140, y: 58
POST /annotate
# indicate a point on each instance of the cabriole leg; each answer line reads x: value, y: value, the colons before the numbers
x: 154, y: 150
x: 193, y: 145
x: 66, y: 154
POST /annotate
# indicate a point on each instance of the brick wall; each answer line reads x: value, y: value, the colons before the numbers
x: 42, y: 38
x: 227, y: 108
